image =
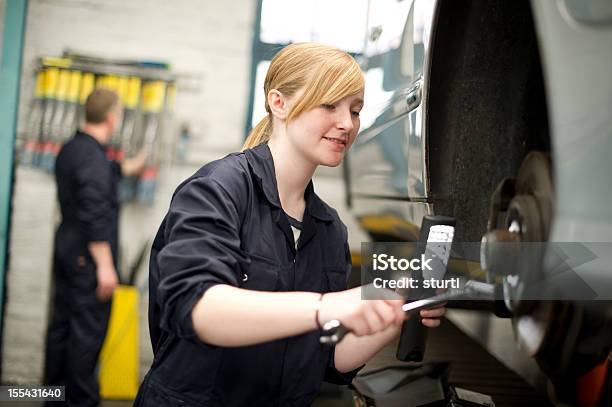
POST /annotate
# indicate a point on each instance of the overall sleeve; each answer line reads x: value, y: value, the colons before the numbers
x: 93, y: 196
x: 332, y: 375
x: 202, y: 249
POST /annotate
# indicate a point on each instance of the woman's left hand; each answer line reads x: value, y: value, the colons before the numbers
x: 431, y: 317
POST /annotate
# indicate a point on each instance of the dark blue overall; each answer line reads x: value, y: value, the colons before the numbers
x: 87, y: 191
x: 225, y: 225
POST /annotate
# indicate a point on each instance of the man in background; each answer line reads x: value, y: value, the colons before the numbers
x: 86, y: 250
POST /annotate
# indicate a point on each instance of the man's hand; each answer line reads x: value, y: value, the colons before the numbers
x: 105, y: 269
x: 134, y: 165
x: 107, y: 282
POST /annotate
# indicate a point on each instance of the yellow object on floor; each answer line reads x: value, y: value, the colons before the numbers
x: 118, y: 374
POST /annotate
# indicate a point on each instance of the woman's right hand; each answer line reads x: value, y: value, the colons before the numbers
x: 360, y: 316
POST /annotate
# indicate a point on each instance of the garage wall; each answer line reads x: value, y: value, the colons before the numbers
x: 196, y: 37
x: 208, y: 45
x: 2, y: 5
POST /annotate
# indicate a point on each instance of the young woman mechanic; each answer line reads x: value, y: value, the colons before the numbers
x: 249, y: 262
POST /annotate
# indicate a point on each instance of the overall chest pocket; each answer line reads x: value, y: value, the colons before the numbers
x: 334, y: 278
x: 262, y: 274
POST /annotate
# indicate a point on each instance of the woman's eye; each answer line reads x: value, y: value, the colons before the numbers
x: 355, y: 113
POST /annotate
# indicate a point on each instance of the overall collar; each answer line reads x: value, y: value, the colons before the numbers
x: 90, y: 138
x: 262, y: 166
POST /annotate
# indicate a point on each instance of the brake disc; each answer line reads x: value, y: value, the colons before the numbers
x: 535, y: 180
x: 529, y: 216
x: 508, y: 248
x: 542, y: 331
x: 554, y: 333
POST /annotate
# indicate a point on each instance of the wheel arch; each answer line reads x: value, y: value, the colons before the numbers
x: 485, y: 106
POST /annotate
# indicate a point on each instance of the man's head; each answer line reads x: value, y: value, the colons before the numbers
x: 103, y: 110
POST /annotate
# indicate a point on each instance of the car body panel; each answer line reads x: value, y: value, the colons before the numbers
x: 577, y: 65
x: 388, y: 158
x: 387, y: 167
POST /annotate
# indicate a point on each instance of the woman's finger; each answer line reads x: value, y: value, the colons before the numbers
x: 430, y: 323
x: 357, y: 325
x: 373, y: 320
x: 433, y: 313
x: 385, y: 312
x: 401, y: 316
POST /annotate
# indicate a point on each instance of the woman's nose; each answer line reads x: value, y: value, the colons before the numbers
x: 345, y: 120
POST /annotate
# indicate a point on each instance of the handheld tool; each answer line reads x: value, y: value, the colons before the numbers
x: 334, y: 331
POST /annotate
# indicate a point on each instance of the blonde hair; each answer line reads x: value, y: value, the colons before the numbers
x: 326, y: 74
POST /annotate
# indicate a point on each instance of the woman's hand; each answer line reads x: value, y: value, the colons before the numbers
x: 362, y: 317
x: 431, y: 317
x: 357, y: 349
x: 367, y: 317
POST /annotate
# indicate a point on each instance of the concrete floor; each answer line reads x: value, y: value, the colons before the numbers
x: 322, y: 402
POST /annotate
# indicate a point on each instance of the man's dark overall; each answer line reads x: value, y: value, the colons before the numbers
x: 87, y: 191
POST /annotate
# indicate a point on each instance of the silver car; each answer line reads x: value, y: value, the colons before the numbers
x: 498, y: 113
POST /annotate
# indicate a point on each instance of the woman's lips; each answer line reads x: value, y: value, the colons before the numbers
x: 339, y: 144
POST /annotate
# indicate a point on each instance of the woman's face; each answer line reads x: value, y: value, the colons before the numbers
x: 323, y: 134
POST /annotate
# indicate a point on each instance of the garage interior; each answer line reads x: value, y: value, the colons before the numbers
x: 196, y: 71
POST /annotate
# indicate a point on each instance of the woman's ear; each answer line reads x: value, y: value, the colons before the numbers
x: 279, y: 106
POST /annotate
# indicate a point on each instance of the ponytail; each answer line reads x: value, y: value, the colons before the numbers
x: 260, y: 134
